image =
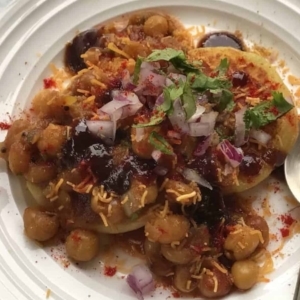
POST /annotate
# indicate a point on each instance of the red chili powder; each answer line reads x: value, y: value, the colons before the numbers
x: 49, y: 83
x: 110, y: 271
x: 4, y: 126
x: 287, y: 219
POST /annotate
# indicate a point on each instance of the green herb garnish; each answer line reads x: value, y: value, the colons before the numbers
x: 159, y: 143
x: 266, y: 112
x: 223, y: 67
x: 137, y: 69
x: 188, y: 100
x: 155, y: 120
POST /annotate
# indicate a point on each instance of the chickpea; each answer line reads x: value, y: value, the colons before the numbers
x: 14, y: 132
x: 116, y: 214
x: 18, y: 158
x: 135, y: 49
x: 181, y: 189
x: 199, y: 238
x: 152, y: 250
x: 168, y: 229
x: 162, y: 267
x: 260, y: 224
x: 70, y: 176
x: 156, y: 26
x: 52, y: 139
x: 40, y: 172
x: 39, y: 225
x: 82, y: 245
x: 140, y: 141
x: 135, y: 195
x: 181, y: 278
x: 207, y: 284
x: 178, y: 256
x: 245, y: 274
x: 50, y: 104
x: 241, y: 244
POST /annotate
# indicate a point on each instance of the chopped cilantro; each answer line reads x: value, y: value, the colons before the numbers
x: 159, y: 143
x: 155, y: 120
x: 223, y: 67
x: 188, y: 100
x: 171, y: 93
x: 267, y: 111
x: 137, y: 70
x: 222, y: 135
x: 225, y: 101
x: 175, y: 57
x: 165, y: 54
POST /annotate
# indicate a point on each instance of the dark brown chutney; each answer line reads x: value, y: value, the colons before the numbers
x: 221, y: 39
x: 95, y: 154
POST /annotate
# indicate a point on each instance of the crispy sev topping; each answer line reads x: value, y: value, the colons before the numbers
x: 188, y: 284
x: 125, y: 200
x: 241, y: 245
x: 215, y: 284
x: 163, y: 184
x: 186, y: 196
x: 175, y: 244
x: 165, y: 211
x: 144, y: 198
x: 104, y: 220
x: 258, y: 232
x: 219, y: 267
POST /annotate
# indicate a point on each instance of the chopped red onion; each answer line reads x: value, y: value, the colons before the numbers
x: 227, y: 170
x: 198, y: 113
x: 159, y: 101
x: 206, y: 125
x: 126, y: 81
x: 141, y: 281
x: 176, y: 77
x: 173, y: 134
x: 125, y: 102
x: 156, y: 155
x: 261, y: 136
x: 233, y: 155
x: 177, y: 118
x: 120, y: 25
x: 160, y: 170
x: 240, y: 127
x: 139, y: 134
x: 192, y: 175
x: 102, y: 129
x: 202, y: 146
x: 150, y: 83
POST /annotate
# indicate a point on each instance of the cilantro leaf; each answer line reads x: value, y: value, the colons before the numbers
x: 176, y: 57
x: 189, y: 102
x: 137, y: 70
x: 159, y: 143
x: 266, y: 112
x: 223, y: 67
x: 155, y: 120
x: 202, y: 82
x: 225, y: 101
x: 171, y: 93
x: 165, y: 54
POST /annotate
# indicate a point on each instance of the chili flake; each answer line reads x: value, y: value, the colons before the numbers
x: 110, y: 271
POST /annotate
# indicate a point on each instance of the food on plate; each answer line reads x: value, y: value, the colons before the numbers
x: 144, y: 132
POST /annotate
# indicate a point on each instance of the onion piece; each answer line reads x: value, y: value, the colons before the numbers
x: 176, y: 77
x: 177, y: 118
x: 139, y: 134
x: 202, y: 146
x: 206, y: 125
x: 102, y: 129
x: 261, y: 136
x: 192, y: 175
x: 198, y: 113
x: 141, y: 281
x: 150, y: 83
x: 156, y: 155
x: 233, y: 155
x: 173, y: 134
x: 240, y: 127
x: 160, y: 170
x: 125, y: 102
x: 120, y: 25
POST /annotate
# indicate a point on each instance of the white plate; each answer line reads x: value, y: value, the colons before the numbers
x: 33, y: 34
